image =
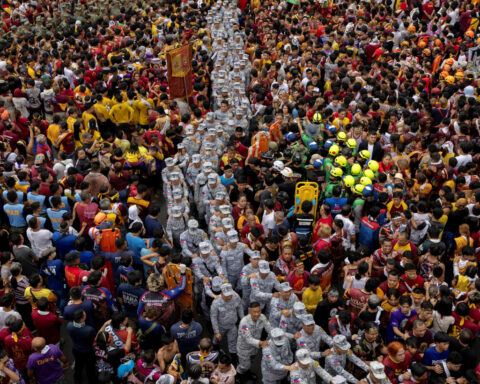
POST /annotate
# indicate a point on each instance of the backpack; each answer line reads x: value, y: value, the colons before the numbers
x: 107, y: 243
x: 101, y: 310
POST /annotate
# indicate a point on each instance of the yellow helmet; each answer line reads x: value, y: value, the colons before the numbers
x: 358, y: 189
x: 356, y: 169
x: 349, y: 181
x: 450, y: 79
x: 317, y: 118
x: 365, y: 180
x: 365, y: 154
x: 341, y: 136
x: 341, y: 161
x: 334, y: 150
x: 373, y: 165
x: 369, y: 173
x: 336, y: 172
x: 352, y: 143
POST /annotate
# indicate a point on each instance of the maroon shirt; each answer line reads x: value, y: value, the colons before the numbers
x: 47, y: 325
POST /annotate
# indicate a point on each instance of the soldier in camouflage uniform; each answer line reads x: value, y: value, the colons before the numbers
x: 277, y: 358
x: 225, y: 312
x: 282, y: 305
x: 307, y: 369
x: 191, y: 238
x: 262, y: 286
x: 336, y: 362
x: 311, y: 337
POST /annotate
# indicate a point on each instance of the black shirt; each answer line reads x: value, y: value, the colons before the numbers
x: 322, y: 312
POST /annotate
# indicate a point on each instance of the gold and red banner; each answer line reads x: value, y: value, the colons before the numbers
x: 179, y: 71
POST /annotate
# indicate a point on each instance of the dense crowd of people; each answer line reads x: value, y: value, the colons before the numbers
x: 310, y: 213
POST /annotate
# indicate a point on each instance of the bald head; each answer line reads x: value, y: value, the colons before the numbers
x: 38, y: 343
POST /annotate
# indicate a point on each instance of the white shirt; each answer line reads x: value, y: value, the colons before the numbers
x: 268, y: 222
x: 40, y: 240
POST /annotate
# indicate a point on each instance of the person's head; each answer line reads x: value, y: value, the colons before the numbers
x: 419, y: 328
x: 224, y: 363
x: 38, y: 343
x: 405, y: 304
x: 94, y: 278
x: 119, y: 320
x: 254, y: 310
x: 371, y: 331
x: 454, y: 361
x: 313, y: 282
x: 396, y: 351
x: 7, y: 301
x: 205, y: 345
x: 393, y: 279
x: 333, y: 295
x: 442, y: 341
x: 79, y: 316
x: 419, y: 372
x: 187, y: 316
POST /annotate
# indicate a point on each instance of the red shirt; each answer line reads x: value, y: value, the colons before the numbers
x: 417, y: 282
x: 393, y: 370
x: 47, y: 325
x: 19, y: 350
x: 72, y: 275
x: 401, y: 287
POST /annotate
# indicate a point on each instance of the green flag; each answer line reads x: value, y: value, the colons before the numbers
x: 294, y: 2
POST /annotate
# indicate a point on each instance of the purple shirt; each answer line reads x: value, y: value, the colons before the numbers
x: 46, y: 366
x: 398, y: 320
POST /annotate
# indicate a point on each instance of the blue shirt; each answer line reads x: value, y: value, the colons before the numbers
x: 40, y: 198
x: 64, y: 243
x: 135, y: 244
x: 20, y: 196
x: 55, y: 218
x: 130, y: 296
x: 54, y: 272
x: 87, y: 306
x: 187, y: 338
x: 227, y: 182
x: 41, y: 219
x: 114, y: 258
x: 336, y: 204
x: 64, y: 205
x: 431, y: 357
x: 150, y: 224
x: 15, y: 214
x: 147, y: 269
x: 86, y: 257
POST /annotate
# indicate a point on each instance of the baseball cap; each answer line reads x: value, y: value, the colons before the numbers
x: 278, y: 336
x: 264, y: 267
x: 285, y: 287
x: 303, y: 356
x: 196, y: 158
x: 298, y: 307
x: 227, y: 223
x: 340, y: 341
x: 307, y: 319
x: 166, y: 379
x: 255, y: 255
x: 192, y: 224
x: 227, y: 289
x: 176, y: 211
x: 378, y: 370
x: 212, y: 177
x: 220, y: 195
x: 177, y: 193
x: 217, y: 283
x: 232, y: 236
x: 225, y: 209
x: 207, y: 165
x: 174, y: 176
x: 169, y: 161
x: 205, y: 247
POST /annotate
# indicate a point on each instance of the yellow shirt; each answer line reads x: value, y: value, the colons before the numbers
x: 44, y: 292
x: 102, y: 109
x: 141, y: 108
x: 121, y: 113
x: 311, y: 298
x: 86, y: 118
x: 53, y: 131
